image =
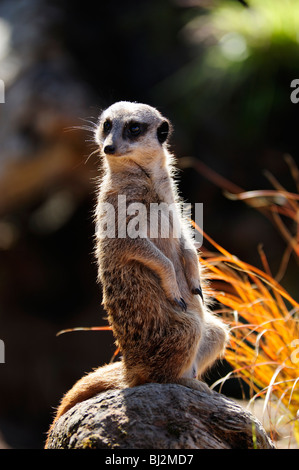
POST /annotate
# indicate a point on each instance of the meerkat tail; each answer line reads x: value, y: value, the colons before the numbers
x: 104, y: 378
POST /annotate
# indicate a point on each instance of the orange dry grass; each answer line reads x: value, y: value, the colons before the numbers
x: 264, y: 344
x: 264, y: 340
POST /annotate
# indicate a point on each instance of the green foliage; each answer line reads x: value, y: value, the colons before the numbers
x: 242, y: 62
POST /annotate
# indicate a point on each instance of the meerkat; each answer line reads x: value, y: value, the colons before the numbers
x: 156, y: 302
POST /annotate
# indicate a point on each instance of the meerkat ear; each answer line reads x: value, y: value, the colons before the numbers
x: 163, y: 132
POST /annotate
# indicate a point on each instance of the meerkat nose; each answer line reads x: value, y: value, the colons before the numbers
x: 110, y: 149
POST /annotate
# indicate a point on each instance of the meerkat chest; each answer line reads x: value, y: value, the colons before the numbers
x: 164, y: 218
x: 162, y: 187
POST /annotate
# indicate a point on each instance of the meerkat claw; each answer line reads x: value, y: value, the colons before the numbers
x: 181, y: 302
x: 184, y: 304
x: 198, y: 291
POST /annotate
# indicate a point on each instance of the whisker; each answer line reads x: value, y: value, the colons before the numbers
x: 92, y: 123
x: 97, y: 150
x: 90, y: 126
x: 84, y: 128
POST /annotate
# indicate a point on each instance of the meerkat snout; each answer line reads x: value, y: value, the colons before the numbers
x: 109, y: 149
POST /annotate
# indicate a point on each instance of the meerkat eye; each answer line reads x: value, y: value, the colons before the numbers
x: 107, y: 126
x: 134, y: 129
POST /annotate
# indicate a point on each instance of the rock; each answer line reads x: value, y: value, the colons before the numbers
x: 158, y: 416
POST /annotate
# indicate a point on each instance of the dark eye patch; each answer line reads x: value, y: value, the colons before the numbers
x: 134, y: 129
x: 107, y: 126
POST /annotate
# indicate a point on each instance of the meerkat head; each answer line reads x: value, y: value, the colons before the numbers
x: 132, y: 132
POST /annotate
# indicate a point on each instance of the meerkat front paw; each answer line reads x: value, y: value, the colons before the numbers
x: 173, y: 294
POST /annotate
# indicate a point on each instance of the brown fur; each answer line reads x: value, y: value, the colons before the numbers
x: 144, y: 279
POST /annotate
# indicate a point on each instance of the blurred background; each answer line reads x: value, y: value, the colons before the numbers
x: 220, y: 70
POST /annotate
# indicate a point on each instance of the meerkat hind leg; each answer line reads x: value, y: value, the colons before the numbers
x: 189, y: 379
x: 212, y: 343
